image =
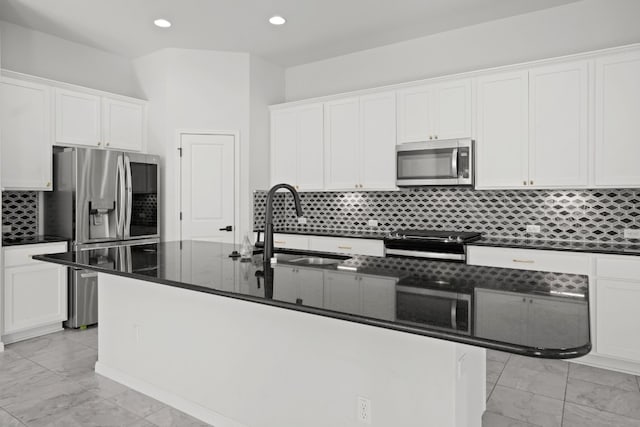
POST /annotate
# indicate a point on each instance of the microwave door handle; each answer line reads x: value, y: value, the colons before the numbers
x: 454, y: 314
x: 454, y: 162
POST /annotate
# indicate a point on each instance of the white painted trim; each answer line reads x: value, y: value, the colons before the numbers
x: 32, y: 333
x: 236, y: 155
x: 467, y: 75
x: 167, y: 397
x: 609, y: 363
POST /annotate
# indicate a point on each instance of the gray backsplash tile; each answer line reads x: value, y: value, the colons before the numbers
x: 578, y: 215
x: 20, y: 211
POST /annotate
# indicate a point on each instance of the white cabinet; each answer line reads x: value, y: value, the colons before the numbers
x: 532, y: 128
x: 529, y: 259
x: 297, y: 147
x: 502, y: 130
x: 346, y: 245
x: 299, y: 286
x: 617, y: 126
x: 617, y: 302
x: 34, y: 292
x: 25, y: 115
x: 291, y: 241
x: 360, y: 139
x: 99, y: 121
x: 123, y: 124
x: 372, y: 296
x: 438, y: 111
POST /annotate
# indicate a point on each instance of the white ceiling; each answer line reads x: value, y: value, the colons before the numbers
x: 316, y: 29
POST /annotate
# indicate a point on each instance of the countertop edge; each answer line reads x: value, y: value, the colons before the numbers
x: 488, y: 344
x: 43, y: 240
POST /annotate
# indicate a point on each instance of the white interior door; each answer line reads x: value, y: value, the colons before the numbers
x: 208, y: 187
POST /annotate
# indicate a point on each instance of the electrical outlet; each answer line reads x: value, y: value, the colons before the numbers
x: 533, y: 228
x: 364, y: 410
x: 372, y: 223
x: 6, y: 229
x: 302, y: 220
x: 632, y: 233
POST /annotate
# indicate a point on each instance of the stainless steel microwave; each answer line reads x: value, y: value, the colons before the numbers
x: 435, y: 163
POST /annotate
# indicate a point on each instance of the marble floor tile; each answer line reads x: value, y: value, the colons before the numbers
x: 169, y: 417
x: 494, y: 369
x: 583, y: 416
x: 101, y: 386
x: 539, y: 376
x: 95, y: 413
x: 41, y: 345
x: 82, y: 363
x: 17, y: 370
x: 498, y: 356
x: 489, y: 419
x: 22, y: 388
x: 8, y: 356
x: 141, y: 423
x: 524, y: 406
x: 88, y: 337
x: 6, y: 420
x: 137, y: 403
x: 603, y: 376
x: 604, y: 398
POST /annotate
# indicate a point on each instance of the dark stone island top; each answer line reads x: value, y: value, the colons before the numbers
x: 524, y: 312
x: 32, y: 240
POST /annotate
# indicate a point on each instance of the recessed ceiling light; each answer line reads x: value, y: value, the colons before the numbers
x: 162, y: 23
x: 277, y: 20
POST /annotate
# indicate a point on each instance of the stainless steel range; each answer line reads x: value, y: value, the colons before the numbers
x: 433, y: 244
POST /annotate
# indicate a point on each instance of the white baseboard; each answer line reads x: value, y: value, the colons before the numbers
x: 167, y: 397
x: 1, y: 346
x: 612, y: 364
x: 32, y: 333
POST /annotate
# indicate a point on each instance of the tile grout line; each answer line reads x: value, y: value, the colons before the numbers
x: 564, y: 399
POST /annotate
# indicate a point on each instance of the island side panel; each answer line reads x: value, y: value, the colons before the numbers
x: 236, y: 363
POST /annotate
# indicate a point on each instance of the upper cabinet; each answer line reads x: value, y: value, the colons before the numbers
x: 438, y: 111
x: 532, y: 128
x: 99, y: 121
x: 360, y: 140
x: 617, y: 124
x: 297, y: 147
x: 26, y: 135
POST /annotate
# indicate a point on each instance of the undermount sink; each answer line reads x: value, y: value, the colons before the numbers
x: 315, y: 261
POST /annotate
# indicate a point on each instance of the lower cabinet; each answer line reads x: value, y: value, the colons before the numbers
x: 371, y: 296
x: 34, y: 292
x: 299, y: 285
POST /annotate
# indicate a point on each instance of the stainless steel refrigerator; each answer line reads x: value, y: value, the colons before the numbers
x: 100, y: 199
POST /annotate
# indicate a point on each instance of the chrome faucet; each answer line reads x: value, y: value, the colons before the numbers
x: 268, y: 218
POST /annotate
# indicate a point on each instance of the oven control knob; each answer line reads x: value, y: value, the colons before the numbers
x: 459, y: 239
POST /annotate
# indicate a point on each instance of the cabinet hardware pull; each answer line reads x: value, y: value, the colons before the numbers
x: 99, y: 144
x: 436, y: 137
x: 345, y: 247
x: 525, y: 261
x: 107, y: 144
x: 531, y: 182
x: 524, y: 182
x: 430, y: 136
x: 49, y: 184
x: 279, y: 241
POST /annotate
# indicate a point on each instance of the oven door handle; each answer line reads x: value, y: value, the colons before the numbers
x: 454, y: 314
x: 454, y: 162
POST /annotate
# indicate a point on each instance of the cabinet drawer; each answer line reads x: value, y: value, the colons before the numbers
x: 290, y: 241
x: 346, y: 245
x: 529, y: 259
x: 21, y: 255
x: 624, y: 267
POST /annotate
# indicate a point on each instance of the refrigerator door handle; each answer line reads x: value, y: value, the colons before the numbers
x: 120, y: 203
x: 129, y: 209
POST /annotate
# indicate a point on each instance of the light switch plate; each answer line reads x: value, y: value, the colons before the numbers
x: 6, y: 229
x: 632, y: 233
x: 372, y: 223
x: 302, y: 220
x: 533, y: 228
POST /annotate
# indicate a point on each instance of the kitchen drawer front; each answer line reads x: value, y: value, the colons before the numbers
x: 291, y: 241
x: 618, y: 267
x: 529, y: 259
x: 21, y: 255
x: 347, y: 246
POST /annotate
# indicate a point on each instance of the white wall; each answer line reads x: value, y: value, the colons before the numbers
x: 266, y: 88
x: 40, y: 54
x: 195, y: 90
x: 572, y: 28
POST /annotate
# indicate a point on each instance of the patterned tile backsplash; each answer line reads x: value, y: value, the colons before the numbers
x: 580, y: 215
x: 20, y: 211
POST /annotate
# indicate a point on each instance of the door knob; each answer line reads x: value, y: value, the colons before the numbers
x: 227, y: 228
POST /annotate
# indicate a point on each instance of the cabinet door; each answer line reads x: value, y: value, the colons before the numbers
x: 617, y: 327
x: 414, y: 114
x: 25, y: 114
x: 285, y: 284
x: 124, y: 124
x: 342, y: 292
x: 310, y: 287
x: 284, y: 146
x: 342, y: 143
x: 310, y: 167
x: 500, y: 316
x: 557, y: 324
x: 378, y: 141
x: 452, y: 110
x: 34, y: 295
x: 502, y: 122
x: 77, y: 118
x: 378, y: 297
x: 558, y: 101
x: 617, y: 126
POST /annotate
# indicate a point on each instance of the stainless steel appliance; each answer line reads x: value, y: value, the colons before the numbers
x: 100, y: 198
x: 434, y: 244
x: 435, y: 163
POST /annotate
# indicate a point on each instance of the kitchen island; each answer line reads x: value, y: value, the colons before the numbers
x: 299, y: 343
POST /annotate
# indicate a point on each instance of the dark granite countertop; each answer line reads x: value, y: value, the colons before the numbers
x: 32, y: 240
x: 559, y: 245
x: 375, y: 235
x: 523, y: 312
